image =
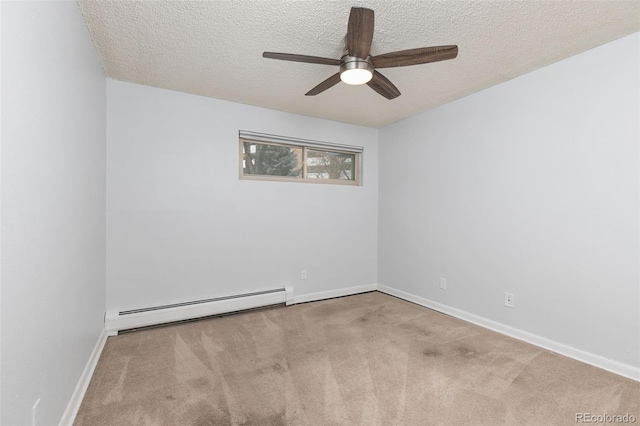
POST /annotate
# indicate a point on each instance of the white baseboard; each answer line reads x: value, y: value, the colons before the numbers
x: 613, y: 366
x: 329, y: 294
x: 73, y: 406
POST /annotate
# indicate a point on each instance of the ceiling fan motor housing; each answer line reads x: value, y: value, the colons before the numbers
x: 349, y: 63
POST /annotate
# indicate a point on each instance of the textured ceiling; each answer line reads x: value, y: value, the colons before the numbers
x: 214, y: 48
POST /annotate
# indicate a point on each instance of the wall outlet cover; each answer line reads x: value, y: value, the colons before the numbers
x: 509, y: 300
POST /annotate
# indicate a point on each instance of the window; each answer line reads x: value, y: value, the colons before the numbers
x: 267, y: 157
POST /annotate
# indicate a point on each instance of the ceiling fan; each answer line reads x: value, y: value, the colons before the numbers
x: 357, y: 66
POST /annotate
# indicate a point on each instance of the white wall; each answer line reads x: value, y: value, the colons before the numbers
x: 53, y: 204
x: 529, y: 187
x: 181, y: 225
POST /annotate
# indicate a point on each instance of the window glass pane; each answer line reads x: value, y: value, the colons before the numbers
x: 271, y: 160
x: 330, y: 165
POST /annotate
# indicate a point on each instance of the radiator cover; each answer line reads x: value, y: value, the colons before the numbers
x: 135, y: 318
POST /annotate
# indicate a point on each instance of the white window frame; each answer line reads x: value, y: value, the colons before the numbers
x: 262, y: 138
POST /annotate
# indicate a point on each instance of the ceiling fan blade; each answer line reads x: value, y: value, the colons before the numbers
x: 301, y: 58
x: 328, y: 83
x: 421, y: 55
x: 360, y: 32
x: 382, y: 85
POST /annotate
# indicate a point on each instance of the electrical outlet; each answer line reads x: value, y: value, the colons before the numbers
x: 508, y: 300
x: 443, y: 283
x: 35, y: 413
x: 303, y: 274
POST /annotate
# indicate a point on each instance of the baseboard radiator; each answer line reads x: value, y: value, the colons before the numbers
x: 116, y: 321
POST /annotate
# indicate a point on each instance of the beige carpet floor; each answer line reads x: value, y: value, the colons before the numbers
x: 369, y: 359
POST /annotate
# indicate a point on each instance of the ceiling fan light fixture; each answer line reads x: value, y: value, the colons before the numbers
x: 356, y: 76
x: 355, y: 71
